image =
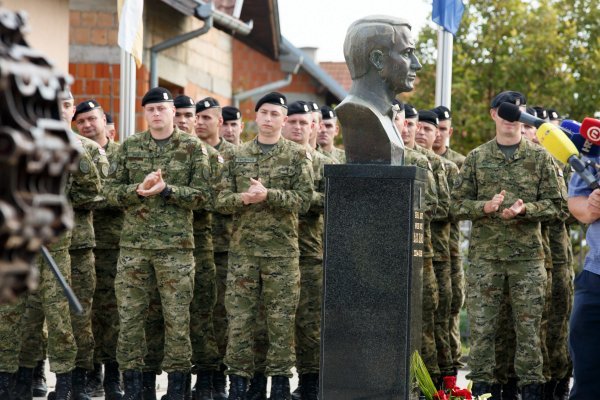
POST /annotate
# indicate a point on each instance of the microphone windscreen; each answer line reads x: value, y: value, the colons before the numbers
x: 590, y: 129
x: 585, y: 147
x: 509, y: 112
x: 556, y: 142
x: 570, y: 126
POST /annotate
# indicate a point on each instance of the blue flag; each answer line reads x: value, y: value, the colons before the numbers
x: 448, y: 13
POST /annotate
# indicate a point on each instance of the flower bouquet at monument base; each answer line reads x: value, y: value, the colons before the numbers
x: 449, y: 392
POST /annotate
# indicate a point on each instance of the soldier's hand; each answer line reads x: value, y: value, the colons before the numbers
x: 494, y: 204
x: 157, y: 187
x: 257, y: 193
x: 517, y: 208
x: 150, y: 180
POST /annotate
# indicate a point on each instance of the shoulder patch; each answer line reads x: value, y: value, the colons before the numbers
x: 204, y: 151
x: 84, y: 166
x: 220, y: 159
x: 105, y: 170
x: 458, y: 182
x: 101, y: 150
x: 113, y: 168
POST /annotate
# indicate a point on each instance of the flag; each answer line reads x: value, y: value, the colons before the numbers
x: 131, y: 28
x: 448, y: 13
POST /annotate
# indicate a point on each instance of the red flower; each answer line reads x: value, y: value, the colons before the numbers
x: 440, y: 395
x: 463, y: 393
x: 449, y: 382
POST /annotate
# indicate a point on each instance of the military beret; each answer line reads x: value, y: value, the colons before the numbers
x: 508, y: 97
x: 531, y: 111
x: 157, y: 95
x: 429, y: 117
x: 410, y: 111
x: 553, y: 114
x: 231, y: 113
x: 183, y: 101
x: 398, y: 103
x: 272, y: 98
x: 66, y: 95
x: 313, y: 106
x: 299, y: 107
x: 86, y: 106
x: 328, y: 113
x: 443, y: 113
x: 109, y: 118
x: 206, y: 103
x: 540, y: 112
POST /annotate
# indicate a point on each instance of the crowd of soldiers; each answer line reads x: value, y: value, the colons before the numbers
x: 196, y: 254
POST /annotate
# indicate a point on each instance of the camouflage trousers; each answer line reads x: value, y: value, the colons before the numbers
x: 430, y: 304
x: 83, y: 276
x: 155, y: 334
x: 105, y: 315
x: 308, y: 315
x: 544, y: 325
x: 443, y: 277
x: 276, y: 282
x: 49, y: 302
x: 205, y: 353
x: 220, y: 313
x: 457, y: 276
x: 506, y: 340
x: 139, y: 273
x: 10, y: 334
x: 558, y: 321
x: 526, y: 288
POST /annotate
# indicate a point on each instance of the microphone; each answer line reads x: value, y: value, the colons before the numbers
x: 558, y: 144
x: 590, y: 130
x: 585, y: 147
x: 512, y: 113
x: 570, y: 126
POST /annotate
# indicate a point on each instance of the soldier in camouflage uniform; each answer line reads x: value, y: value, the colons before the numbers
x: 265, y: 184
x: 91, y: 122
x: 328, y: 130
x: 456, y: 267
x: 233, y: 125
x: 157, y: 238
x: 506, y: 188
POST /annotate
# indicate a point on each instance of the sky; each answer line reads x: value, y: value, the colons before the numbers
x: 323, y: 23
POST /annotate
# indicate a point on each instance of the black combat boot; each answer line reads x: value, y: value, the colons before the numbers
x: 480, y: 388
x: 549, y: 389
x: 203, y: 387
x: 297, y: 394
x: 280, y: 388
x: 149, y: 385
x: 94, y: 385
x: 176, y: 388
x: 23, y: 384
x: 562, y: 389
x: 310, y: 386
x: 79, y: 376
x: 496, y: 390
x: 40, y: 388
x: 64, y: 388
x: 132, y: 380
x: 6, y: 379
x: 112, y: 381
x: 237, y: 387
x: 219, y: 384
x: 510, y: 391
x: 533, y: 391
x: 258, y: 387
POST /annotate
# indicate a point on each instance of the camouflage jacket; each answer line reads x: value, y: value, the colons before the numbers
x: 222, y: 223
x: 455, y: 157
x: 203, y: 218
x: 441, y: 229
x: 159, y: 222
x: 441, y: 182
x: 528, y: 175
x: 108, y: 221
x: 459, y: 160
x: 338, y: 155
x: 560, y: 240
x: 269, y: 228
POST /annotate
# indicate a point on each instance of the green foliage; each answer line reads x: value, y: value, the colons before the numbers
x: 535, y: 47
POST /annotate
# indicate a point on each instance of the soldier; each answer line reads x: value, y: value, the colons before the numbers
x: 92, y: 123
x: 162, y: 175
x: 265, y: 184
x: 232, y: 125
x: 456, y: 268
x: 185, y: 113
x: 111, y: 131
x: 317, y: 120
x: 328, y: 130
x: 506, y: 188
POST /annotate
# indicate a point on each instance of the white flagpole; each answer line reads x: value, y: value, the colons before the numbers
x: 443, y: 77
x: 127, y: 94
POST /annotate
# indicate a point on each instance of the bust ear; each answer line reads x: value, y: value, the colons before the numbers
x: 376, y: 58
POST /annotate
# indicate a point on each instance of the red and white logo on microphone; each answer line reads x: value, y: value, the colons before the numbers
x: 590, y: 130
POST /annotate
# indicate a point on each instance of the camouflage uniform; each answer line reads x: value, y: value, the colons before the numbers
x: 48, y: 301
x: 338, y: 155
x: 108, y: 222
x: 263, y: 253
x: 431, y: 287
x: 457, y: 276
x: 157, y: 242
x: 498, y: 251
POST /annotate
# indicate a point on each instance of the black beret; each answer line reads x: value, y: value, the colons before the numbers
x: 398, y: 103
x: 109, y: 118
x: 410, y: 111
x: 553, y: 114
x: 183, y: 101
x: 443, y: 113
x: 328, y: 113
x: 299, y: 107
x: 206, y: 103
x: 508, y: 97
x: 540, y: 112
x: 231, y: 113
x: 86, y: 106
x: 531, y: 111
x: 272, y: 98
x: 157, y: 95
x: 428, y: 116
x: 313, y: 106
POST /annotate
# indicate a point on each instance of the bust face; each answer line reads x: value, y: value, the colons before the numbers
x: 400, y: 65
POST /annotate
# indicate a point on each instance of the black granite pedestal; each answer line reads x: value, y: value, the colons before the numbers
x: 372, y: 285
